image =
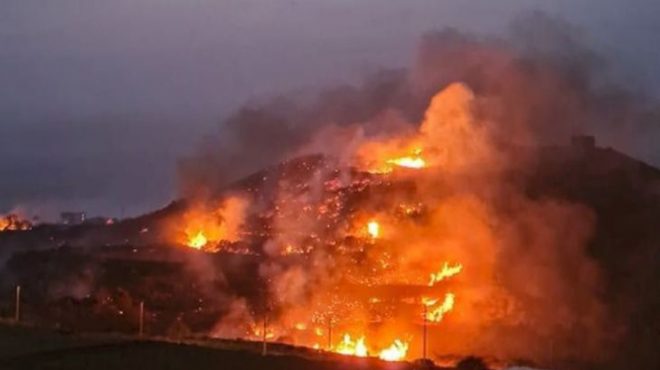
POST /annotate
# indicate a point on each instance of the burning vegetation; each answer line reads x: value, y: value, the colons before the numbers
x: 420, y: 218
x: 208, y: 226
x: 401, y: 245
x: 12, y: 222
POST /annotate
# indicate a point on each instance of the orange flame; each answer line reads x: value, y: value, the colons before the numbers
x: 413, y: 161
x: 436, y: 314
x: 204, y: 226
x: 396, y: 352
x: 373, y: 229
x: 13, y: 222
x: 198, y: 241
x: 446, y: 272
x: 352, y: 347
x: 258, y: 332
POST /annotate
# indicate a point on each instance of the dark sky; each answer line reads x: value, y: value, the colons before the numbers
x: 99, y: 98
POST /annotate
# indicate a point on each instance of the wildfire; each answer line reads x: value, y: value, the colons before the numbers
x: 436, y: 314
x: 396, y: 352
x: 385, y: 157
x: 446, y: 272
x: 257, y: 332
x: 373, y: 229
x: 197, y: 241
x: 204, y: 224
x: 352, y: 347
x: 414, y: 161
x: 304, y: 221
x: 12, y: 222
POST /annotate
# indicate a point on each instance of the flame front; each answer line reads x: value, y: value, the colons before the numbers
x: 351, y: 347
x: 396, y: 352
x: 413, y: 161
x: 384, y: 159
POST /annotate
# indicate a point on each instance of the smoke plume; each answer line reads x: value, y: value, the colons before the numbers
x: 471, y: 109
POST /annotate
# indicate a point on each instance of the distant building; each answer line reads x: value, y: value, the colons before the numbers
x: 72, y: 218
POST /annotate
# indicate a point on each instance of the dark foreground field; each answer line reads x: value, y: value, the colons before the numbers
x: 29, y: 348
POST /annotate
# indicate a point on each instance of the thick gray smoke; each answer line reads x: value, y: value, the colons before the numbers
x: 264, y: 133
x: 541, y: 84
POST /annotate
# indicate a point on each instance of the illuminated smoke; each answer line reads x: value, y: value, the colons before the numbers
x: 417, y: 191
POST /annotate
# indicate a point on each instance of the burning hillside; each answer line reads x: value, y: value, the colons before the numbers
x: 414, y: 240
x: 423, y: 215
x: 12, y: 222
x: 335, y: 258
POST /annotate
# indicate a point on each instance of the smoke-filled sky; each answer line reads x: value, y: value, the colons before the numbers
x: 99, y: 99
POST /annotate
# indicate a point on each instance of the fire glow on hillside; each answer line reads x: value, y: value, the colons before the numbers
x: 13, y: 222
x: 206, y: 226
x: 398, y: 239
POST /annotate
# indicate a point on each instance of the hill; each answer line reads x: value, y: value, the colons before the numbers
x: 92, y: 277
